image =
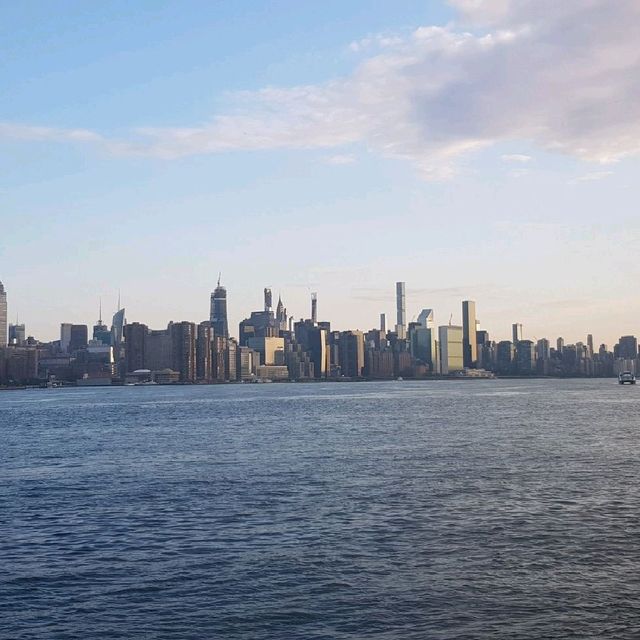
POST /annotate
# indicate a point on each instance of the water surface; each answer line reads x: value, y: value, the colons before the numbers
x: 480, y: 509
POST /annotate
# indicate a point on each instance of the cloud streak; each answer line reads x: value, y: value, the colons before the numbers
x: 564, y: 77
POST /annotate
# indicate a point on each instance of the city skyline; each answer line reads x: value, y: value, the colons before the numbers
x: 273, y: 345
x: 147, y: 147
x: 464, y: 317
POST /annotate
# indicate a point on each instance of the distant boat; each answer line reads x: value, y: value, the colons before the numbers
x: 626, y: 377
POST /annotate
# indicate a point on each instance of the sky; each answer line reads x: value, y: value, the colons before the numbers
x: 475, y: 149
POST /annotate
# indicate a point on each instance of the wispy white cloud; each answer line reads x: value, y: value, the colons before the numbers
x: 377, y: 40
x: 516, y: 157
x: 591, y: 177
x: 15, y: 131
x: 562, y: 76
x: 340, y: 159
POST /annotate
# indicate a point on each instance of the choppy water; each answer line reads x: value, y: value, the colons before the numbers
x: 488, y: 509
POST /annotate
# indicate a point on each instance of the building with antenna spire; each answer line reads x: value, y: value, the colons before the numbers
x: 101, y: 332
x: 218, y: 311
x: 281, y: 315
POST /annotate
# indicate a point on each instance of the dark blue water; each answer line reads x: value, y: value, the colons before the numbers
x: 488, y: 509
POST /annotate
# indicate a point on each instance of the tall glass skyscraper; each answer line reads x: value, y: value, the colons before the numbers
x: 3, y: 316
x: 401, y: 311
x: 117, y: 332
x: 218, y: 314
x: 469, y: 336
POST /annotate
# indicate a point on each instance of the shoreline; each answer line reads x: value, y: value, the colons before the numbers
x: 118, y: 384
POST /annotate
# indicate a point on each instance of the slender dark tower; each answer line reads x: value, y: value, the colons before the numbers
x: 469, y: 337
x: 218, y: 315
x: 268, y: 299
x: 401, y: 310
x: 3, y: 316
x: 314, y: 308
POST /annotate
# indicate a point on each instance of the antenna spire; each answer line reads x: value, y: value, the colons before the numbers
x: 100, y: 310
x: 219, y: 276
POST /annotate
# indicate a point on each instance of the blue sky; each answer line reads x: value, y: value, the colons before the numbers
x: 483, y: 150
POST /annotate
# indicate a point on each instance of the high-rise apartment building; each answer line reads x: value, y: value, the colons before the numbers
x: 79, y: 337
x: 204, y: 343
x: 247, y: 360
x: 313, y: 340
x: 158, y: 350
x: 218, y: 314
x: 543, y: 349
x: 271, y: 349
x: 505, y: 356
x: 422, y: 344
x: 17, y: 334
x: 451, y: 351
x: 383, y: 322
x: 135, y: 340
x: 3, y: 316
x: 525, y: 358
x: 590, y: 345
x: 626, y: 348
x: 401, y: 310
x: 469, y: 338
x: 351, y: 354
x: 516, y: 333
x: 183, y: 343
x: 65, y: 336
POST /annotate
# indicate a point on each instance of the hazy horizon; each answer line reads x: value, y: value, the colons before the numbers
x: 475, y: 150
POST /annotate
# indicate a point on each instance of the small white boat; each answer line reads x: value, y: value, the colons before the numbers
x: 626, y: 377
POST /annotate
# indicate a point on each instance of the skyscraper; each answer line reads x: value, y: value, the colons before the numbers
x: 65, y: 336
x: 281, y: 316
x: 183, y: 343
x: 101, y: 332
x: 401, y: 310
x: 204, y: 341
x: 626, y: 348
x: 17, y: 334
x: 268, y: 299
x: 218, y: 315
x: 135, y: 341
x: 3, y: 316
x: 79, y: 337
x: 590, y: 345
x: 117, y: 332
x: 451, y: 352
x: 505, y: 357
x: 351, y: 354
x: 525, y: 358
x: 314, y: 308
x: 425, y: 319
x: 383, y: 322
x: 516, y: 331
x: 469, y: 338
